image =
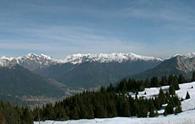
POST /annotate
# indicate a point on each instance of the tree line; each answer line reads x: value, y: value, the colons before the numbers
x: 107, y: 104
x: 11, y: 114
x: 115, y: 101
x: 132, y: 85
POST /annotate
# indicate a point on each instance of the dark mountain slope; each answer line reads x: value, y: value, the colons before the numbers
x: 16, y: 81
x: 93, y: 74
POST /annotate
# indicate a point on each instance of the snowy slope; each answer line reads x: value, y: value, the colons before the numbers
x: 184, y: 88
x: 183, y: 118
x: 186, y: 117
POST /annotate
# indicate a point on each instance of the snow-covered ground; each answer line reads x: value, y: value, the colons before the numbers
x: 184, y: 88
x: 186, y: 117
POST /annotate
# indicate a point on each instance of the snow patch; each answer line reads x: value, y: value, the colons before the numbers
x: 187, y: 105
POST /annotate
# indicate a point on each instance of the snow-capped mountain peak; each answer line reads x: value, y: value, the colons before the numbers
x: 105, y: 58
x: 190, y: 55
x: 7, y: 58
x: 33, y: 61
x: 30, y: 61
x: 33, y: 56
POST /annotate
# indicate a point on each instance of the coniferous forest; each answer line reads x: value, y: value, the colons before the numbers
x: 107, y: 102
x: 115, y: 101
x: 104, y: 104
x: 10, y: 114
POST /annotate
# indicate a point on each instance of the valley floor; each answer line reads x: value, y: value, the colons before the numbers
x: 186, y: 117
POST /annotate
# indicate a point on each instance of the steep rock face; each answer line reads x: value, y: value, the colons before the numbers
x: 179, y: 64
x: 185, y: 64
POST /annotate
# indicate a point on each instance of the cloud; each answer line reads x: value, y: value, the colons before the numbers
x: 121, y: 26
x: 170, y: 14
x: 66, y: 39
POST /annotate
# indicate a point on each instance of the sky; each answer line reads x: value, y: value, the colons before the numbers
x: 57, y: 28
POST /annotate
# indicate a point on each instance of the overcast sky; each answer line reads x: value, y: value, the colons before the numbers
x: 159, y: 28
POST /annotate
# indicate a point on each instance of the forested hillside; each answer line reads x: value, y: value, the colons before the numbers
x: 116, y: 101
x: 120, y: 100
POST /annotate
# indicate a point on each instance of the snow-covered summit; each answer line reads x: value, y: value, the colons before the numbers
x: 105, y: 58
x: 6, y: 61
x: 33, y: 56
x: 31, y: 61
x: 44, y: 60
x: 188, y: 55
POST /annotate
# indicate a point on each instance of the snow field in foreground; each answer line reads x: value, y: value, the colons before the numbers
x: 183, y: 118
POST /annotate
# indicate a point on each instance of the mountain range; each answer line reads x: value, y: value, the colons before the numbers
x: 84, y: 70
x: 178, y: 64
x: 41, y: 75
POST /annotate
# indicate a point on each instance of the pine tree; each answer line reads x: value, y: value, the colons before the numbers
x: 181, y: 79
x: 142, y: 107
x: 174, y: 83
x: 169, y: 109
x: 171, y: 90
x: 178, y: 109
x: 152, y: 111
x: 164, y: 81
x: 155, y: 82
x: 193, y: 76
x: 187, y: 95
x: 60, y: 113
x: 147, y: 82
x: 132, y: 106
x: 126, y: 109
x: 123, y: 107
x: 26, y: 117
x: 161, y: 97
x: 170, y: 79
x: 2, y: 119
x: 110, y: 88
